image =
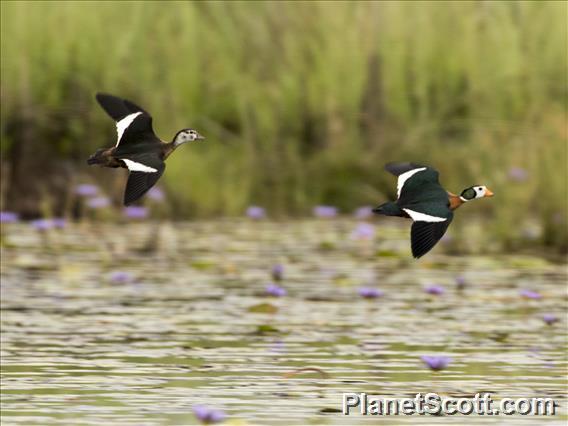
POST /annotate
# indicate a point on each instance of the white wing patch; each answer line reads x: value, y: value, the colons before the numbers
x: 423, y: 217
x: 123, y: 124
x: 402, y: 178
x: 133, y: 166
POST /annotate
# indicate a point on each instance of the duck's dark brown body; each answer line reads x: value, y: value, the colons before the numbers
x: 137, y: 149
x: 106, y: 157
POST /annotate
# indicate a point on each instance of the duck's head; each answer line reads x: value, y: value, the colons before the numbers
x: 186, y: 135
x: 473, y: 192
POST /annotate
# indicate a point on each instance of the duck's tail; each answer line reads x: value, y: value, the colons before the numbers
x: 96, y: 158
x: 389, y: 209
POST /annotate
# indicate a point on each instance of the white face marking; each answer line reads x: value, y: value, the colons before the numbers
x: 423, y: 217
x: 480, y: 191
x: 186, y: 136
x: 133, y: 166
x: 402, y: 178
x: 192, y: 135
x: 123, y: 124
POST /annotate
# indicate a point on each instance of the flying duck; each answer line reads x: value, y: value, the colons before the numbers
x: 422, y: 199
x: 137, y: 148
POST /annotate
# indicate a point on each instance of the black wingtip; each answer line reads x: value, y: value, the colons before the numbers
x: 130, y: 197
x: 100, y: 96
x: 425, y: 235
x: 418, y: 255
x: 399, y: 167
x: 128, y: 202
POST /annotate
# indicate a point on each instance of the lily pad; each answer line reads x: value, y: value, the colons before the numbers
x: 263, y: 308
x: 266, y: 329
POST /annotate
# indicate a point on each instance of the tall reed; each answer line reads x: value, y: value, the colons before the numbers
x: 302, y: 102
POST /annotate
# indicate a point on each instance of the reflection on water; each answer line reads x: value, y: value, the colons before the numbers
x: 135, y: 324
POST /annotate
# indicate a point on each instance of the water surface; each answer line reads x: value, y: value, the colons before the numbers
x: 194, y: 326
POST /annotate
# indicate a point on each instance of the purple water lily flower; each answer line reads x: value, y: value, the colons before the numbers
x: 370, y: 292
x: 364, y: 212
x: 278, y: 347
x: 256, y: 212
x: 121, y: 277
x: 275, y: 290
x: 550, y: 319
x: 135, y: 212
x: 86, y: 190
x: 277, y: 272
x: 41, y: 224
x: 558, y: 218
x: 529, y: 294
x: 363, y: 231
x: 518, y: 174
x: 98, y: 202
x: 207, y: 415
x: 59, y: 222
x: 325, y: 211
x: 156, y: 194
x: 9, y: 217
x: 530, y: 233
x: 460, y: 282
x: 436, y: 362
x: 434, y: 289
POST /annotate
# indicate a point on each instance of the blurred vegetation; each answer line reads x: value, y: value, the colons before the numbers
x: 301, y: 102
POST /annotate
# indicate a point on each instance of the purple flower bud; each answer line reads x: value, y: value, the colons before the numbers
x: 363, y: 231
x: 529, y: 294
x: 550, y: 319
x: 86, y: 190
x: 518, y: 174
x: 98, y: 202
x: 156, y: 194
x: 364, y: 212
x: 436, y: 362
x: 325, y: 211
x: 42, y: 224
x: 275, y: 290
x: 277, y: 272
x: 135, y: 212
x: 370, y: 292
x: 121, y: 277
x: 256, y: 212
x: 9, y: 217
x: 434, y: 289
x: 207, y: 415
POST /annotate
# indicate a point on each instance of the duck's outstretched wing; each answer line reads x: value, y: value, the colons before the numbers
x: 425, y: 201
x: 399, y: 168
x: 424, y: 235
x: 145, y: 170
x: 132, y: 122
x: 412, y: 178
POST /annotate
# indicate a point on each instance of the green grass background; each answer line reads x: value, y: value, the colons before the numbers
x: 301, y: 102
